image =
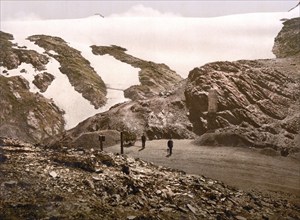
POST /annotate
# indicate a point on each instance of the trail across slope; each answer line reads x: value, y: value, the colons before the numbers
x: 244, y: 168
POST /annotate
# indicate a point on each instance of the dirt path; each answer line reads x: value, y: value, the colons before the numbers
x: 243, y: 168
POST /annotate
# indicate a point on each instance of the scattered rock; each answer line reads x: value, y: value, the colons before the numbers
x: 149, y: 192
x: 3, y: 158
x: 193, y: 209
x: 240, y: 218
x: 125, y: 169
x: 53, y: 174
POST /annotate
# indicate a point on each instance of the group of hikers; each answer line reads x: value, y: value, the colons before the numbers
x: 169, y: 144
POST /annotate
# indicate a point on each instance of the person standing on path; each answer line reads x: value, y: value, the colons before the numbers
x: 170, y: 146
x: 143, y: 140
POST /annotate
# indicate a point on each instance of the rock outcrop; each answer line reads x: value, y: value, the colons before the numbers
x: 81, y: 75
x: 287, y: 42
x: 25, y: 115
x: 12, y: 56
x: 154, y: 78
x: 258, y: 102
x: 43, y: 80
x: 42, y: 183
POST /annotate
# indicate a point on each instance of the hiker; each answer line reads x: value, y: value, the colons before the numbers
x: 170, y: 145
x: 143, y: 140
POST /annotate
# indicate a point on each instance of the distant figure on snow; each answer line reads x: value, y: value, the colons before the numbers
x: 170, y: 146
x: 143, y: 140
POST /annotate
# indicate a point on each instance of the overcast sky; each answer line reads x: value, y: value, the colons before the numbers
x: 61, y: 9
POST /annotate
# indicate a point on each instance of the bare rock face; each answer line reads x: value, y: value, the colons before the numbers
x: 25, y: 115
x: 287, y: 43
x: 81, y: 75
x: 257, y: 103
x: 11, y: 57
x: 43, y: 80
x: 67, y: 183
x: 154, y: 77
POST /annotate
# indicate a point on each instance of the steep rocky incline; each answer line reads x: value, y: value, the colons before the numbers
x: 81, y: 75
x: 287, y: 42
x: 25, y: 115
x: 11, y: 56
x: 43, y: 183
x: 154, y: 77
x: 257, y: 103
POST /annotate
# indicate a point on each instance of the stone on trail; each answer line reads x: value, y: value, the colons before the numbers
x: 193, y: 209
x: 53, y: 174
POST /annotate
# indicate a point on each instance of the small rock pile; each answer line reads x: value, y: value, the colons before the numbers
x: 41, y: 183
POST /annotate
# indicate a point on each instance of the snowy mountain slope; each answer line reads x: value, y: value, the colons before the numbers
x: 181, y: 43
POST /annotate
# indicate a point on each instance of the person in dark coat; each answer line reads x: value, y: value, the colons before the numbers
x: 170, y: 145
x: 143, y: 140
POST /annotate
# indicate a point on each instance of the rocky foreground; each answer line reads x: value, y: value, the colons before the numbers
x: 42, y: 183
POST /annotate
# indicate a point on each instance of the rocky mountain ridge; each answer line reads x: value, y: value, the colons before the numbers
x: 154, y: 78
x: 79, y: 72
x: 44, y: 183
x: 81, y: 75
x: 11, y: 56
x: 287, y: 42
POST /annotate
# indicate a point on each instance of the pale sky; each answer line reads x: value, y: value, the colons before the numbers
x: 62, y: 9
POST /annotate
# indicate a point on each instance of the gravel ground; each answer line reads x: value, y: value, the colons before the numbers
x: 244, y: 168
